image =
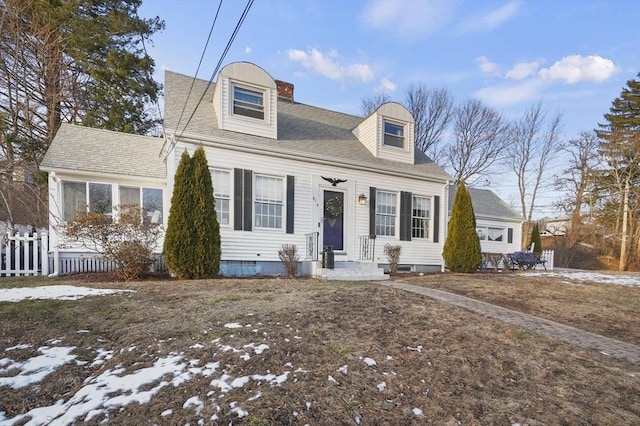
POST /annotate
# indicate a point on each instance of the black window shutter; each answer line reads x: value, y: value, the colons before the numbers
x: 372, y: 210
x: 248, y: 200
x: 405, y: 216
x: 237, y: 199
x: 509, y: 235
x: 436, y: 219
x: 290, y: 203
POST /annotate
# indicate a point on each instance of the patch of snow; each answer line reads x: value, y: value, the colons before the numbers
x: 256, y: 396
x: 37, y: 368
x: 166, y: 413
x: 232, y: 325
x: 370, y: 361
x: 194, y: 401
x: 101, y: 356
x: 257, y: 349
x: 241, y: 412
x: 61, y: 292
x: 417, y: 348
x: 418, y: 412
x: 197, y: 346
x: 343, y: 369
x: 332, y: 380
x: 592, y: 276
x: 382, y: 386
x: 389, y: 358
x: 22, y: 346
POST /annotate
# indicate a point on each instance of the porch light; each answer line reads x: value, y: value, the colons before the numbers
x: 362, y: 199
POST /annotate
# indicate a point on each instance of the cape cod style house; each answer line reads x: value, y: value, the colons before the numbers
x: 283, y: 173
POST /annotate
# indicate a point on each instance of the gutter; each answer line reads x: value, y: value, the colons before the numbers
x: 241, y: 146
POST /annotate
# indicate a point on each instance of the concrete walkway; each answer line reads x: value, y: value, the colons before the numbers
x: 585, y: 339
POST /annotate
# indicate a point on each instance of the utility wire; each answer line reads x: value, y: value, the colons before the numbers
x: 193, y: 81
x: 215, y: 72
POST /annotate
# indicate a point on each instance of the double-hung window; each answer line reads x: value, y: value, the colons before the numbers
x: 247, y: 102
x: 268, y: 201
x: 149, y: 198
x: 386, y: 207
x: 222, y: 193
x: 393, y: 134
x: 76, y: 196
x: 420, y: 214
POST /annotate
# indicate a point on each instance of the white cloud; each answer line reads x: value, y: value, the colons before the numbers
x: 386, y: 86
x: 491, y: 20
x: 247, y: 50
x: 407, y: 18
x: 487, y: 66
x: 576, y: 68
x: 507, y: 94
x: 329, y: 65
x: 523, y: 70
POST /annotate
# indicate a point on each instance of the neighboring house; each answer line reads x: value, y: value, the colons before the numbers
x: 554, y: 227
x: 283, y: 173
x: 499, y: 227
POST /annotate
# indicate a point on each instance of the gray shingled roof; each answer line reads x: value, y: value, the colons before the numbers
x: 486, y: 204
x: 304, y: 130
x: 79, y: 148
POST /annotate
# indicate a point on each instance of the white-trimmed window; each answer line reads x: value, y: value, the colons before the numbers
x: 248, y: 102
x: 83, y: 196
x: 420, y: 214
x: 386, y: 208
x: 393, y: 134
x: 268, y: 201
x: 149, y: 198
x: 491, y: 234
x: 222, y: 193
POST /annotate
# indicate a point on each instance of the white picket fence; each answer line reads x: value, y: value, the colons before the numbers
x: 548, y: 256
x: 24, y: 254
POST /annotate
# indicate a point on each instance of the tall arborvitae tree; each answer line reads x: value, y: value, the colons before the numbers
x: 206, y: 247
x: 535, y: 239
x: 180, y: 229
x: 462, y: 252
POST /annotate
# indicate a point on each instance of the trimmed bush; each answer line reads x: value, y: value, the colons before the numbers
x: 462, y: 252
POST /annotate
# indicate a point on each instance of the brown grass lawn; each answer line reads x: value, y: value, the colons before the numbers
x: 457, y: 367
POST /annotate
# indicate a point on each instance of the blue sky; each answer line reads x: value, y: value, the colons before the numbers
x: 576, y: 56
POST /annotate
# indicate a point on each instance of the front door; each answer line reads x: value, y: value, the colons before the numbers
x: 333, y: 229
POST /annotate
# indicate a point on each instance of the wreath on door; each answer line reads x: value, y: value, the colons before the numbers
x: 333, y: 207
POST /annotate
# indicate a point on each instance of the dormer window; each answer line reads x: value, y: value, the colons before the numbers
x: 249, y: 103
x: 393, y: 134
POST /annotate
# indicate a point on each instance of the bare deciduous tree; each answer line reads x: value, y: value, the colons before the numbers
x: 369, y: 105
x: 480, y: 136
x: 431, y: 110
x: 533, y: 144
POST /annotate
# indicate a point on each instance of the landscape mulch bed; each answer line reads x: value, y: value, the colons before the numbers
x: 439, y: 364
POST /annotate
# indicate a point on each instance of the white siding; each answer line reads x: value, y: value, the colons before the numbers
x: 263, y: 245
x: 500, y: 246
x: 253, y: 77
x: 367, y: 133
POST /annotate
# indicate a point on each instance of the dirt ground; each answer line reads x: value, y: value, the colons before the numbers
x: 456, y: 367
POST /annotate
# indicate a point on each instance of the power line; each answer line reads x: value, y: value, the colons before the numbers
x: 215, y: 72
x: 193, y: 81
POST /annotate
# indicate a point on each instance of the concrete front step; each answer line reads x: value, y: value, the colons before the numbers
x: 345, y: 271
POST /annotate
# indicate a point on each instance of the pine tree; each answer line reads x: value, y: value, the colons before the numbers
x: 535, y: 239
x: 620, y: 147
x: 462, y: 251
x: 180, y: 230
x: 206, y: 247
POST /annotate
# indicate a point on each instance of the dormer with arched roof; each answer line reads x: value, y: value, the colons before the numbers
x: 245, y: 100
x: 388, y: 133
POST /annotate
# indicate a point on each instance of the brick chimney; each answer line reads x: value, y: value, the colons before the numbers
x: 285, y: 90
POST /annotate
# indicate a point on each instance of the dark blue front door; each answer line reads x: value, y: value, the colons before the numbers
x: 333, y: 232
